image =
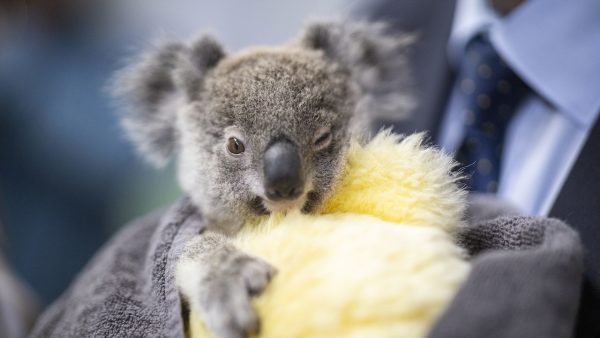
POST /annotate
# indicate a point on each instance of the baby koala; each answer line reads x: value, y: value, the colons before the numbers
x: 261, y: 131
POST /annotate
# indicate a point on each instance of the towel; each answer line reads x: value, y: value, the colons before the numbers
x: 525, y: 279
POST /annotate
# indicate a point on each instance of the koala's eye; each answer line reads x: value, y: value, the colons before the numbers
x: 322, y: 139
x: 235, y: 146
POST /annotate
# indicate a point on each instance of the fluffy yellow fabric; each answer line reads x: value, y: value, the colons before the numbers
x: 378, y: 261
x: 399, y: 180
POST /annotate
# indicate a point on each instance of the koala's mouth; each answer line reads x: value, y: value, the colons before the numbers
x: 306, y: 203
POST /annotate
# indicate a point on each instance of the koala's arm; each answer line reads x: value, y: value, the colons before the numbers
x: 218, y: 281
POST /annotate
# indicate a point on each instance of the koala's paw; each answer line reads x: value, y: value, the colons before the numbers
x: 227, y: 306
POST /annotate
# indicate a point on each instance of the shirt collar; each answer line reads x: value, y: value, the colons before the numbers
x: 554, y: 46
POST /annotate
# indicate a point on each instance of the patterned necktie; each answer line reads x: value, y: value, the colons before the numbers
x: 491, y: 93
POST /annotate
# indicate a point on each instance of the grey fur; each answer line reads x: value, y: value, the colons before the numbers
x: 217, y: 280
x: 153, y: 87
x: 375, y: 57
x: 187, y: 100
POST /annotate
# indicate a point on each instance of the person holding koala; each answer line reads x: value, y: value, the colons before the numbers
x: 510, y: 86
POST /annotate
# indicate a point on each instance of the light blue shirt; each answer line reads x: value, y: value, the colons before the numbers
x: 554, y: 47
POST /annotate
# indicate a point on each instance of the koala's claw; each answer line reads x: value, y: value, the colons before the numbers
x: 228, y: 302
x: 257, y: 275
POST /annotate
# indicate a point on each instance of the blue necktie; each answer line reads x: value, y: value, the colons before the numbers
x: 491, y: 93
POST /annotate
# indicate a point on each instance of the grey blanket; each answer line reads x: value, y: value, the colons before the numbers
x: 525, y: 280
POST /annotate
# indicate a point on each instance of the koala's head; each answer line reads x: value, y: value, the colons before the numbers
x: 266, y: 129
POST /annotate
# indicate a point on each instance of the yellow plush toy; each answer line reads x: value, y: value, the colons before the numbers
x: 377, y: 261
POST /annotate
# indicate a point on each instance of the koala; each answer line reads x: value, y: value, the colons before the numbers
x: 261, y: 131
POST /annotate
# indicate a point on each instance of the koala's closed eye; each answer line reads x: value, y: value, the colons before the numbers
x: 323, y: 138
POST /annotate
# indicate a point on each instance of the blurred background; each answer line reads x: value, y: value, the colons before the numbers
x: 68, y: 178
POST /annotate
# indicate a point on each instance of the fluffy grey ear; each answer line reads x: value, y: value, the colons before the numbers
x: 153, y: 86
x: 376, y: 59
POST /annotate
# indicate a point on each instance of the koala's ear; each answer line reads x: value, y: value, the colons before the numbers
x: 154, y: 86
x: 375, y: 57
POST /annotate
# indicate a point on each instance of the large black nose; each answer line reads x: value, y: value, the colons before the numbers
x: 283, y: 171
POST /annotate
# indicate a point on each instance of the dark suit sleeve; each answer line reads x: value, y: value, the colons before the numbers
x: 431, y: 21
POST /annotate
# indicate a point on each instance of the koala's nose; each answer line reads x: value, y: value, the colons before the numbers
x: 283, y: 171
